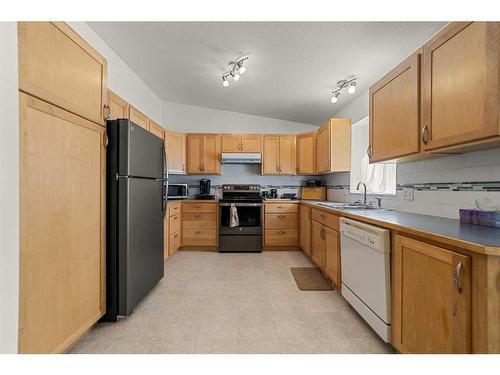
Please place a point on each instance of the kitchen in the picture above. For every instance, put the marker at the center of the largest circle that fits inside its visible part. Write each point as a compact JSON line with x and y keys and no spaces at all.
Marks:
{"x":361,"y":218}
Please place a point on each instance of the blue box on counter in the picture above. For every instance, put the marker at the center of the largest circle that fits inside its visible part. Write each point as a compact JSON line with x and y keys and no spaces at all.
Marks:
{"x":478,"y":217}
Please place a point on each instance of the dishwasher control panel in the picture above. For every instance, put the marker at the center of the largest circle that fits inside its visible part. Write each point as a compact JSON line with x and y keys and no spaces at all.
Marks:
{"x":369,"y":235}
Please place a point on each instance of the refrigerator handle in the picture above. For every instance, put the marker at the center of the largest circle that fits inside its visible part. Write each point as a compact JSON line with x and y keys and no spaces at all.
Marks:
{"x":165,"y":182}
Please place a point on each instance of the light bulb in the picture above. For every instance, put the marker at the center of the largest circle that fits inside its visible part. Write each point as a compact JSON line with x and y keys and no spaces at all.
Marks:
{"x":236,"y":77}
{"x":352,"y":88}
{"x":225,"y":82}
{"x":242,"y":69}
{"x":335,"y":97}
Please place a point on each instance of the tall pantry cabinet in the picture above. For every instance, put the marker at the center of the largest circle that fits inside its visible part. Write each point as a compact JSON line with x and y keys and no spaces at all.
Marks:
{"x":62,"y":83}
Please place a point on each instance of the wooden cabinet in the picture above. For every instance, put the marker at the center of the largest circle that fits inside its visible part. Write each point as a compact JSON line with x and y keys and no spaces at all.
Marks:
{"x":333,"y":146}
{"x":174,"y":225}
{"x":138,"y":118}
{"x":203,"y":153}
{"x":155,"y":129}
{"x":279,"y":154}
{"x":460,"y":102}
{"x":200,"y":224}
{"x":280,"y":225}
{"x":305,"y":229}
{"x":318,"y":242}
{"x":395,"y":112}
{"x":176,"y":152}
{"x":62,"y":226}
{"x":332,"y":255}
{"x":431,"y":298}
{"x":306,"y":153}
{"x":241,"y":143}
{"x":118,"y":108}
{"x":58,"y":66}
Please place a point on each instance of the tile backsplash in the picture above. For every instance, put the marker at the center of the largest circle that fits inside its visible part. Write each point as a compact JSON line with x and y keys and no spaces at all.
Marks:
{"x":441,"y":185}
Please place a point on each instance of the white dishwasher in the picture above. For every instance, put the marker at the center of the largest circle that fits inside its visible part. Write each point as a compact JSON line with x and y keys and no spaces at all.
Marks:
{"x":366,"y":282}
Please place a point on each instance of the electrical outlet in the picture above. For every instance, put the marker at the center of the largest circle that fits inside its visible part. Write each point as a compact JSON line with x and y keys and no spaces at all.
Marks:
{"x":408,"y":194}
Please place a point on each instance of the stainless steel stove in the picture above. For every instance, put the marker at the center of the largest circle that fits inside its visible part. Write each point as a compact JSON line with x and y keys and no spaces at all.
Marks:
{"x":247,"y":235}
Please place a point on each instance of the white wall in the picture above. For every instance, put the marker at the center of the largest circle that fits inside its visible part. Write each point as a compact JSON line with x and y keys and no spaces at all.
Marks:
{"x":189,"y":118}
{"x":9,"y":189}
{"x":121,"y":79}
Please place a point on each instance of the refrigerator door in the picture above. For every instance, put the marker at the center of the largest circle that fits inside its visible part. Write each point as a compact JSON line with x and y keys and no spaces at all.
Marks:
{"x":141,"y":153}
{"x":140,"y":232}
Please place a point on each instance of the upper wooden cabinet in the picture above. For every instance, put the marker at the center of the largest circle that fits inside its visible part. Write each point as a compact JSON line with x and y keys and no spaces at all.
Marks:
{"x":306,"y":153}
{"x":333,"y":146}
{"x":279,"y":154}
{"x":138,"y":118}
{"x":203,"y":153}
{"x":431,"y":299}
{"x":241,"y":143}
{"x":118,"y":108}
{"x":58,"y":66}
{"x":395,"y":112}
{"x":461,"y":86}
{"x":155,"y":129}
{"x":176,"y":152}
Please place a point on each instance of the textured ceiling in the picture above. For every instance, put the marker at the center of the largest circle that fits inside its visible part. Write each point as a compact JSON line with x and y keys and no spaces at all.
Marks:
{"x":292,"y":66}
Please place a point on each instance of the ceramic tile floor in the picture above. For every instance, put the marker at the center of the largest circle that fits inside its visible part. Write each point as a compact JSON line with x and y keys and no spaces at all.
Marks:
{"x":235,"y":303}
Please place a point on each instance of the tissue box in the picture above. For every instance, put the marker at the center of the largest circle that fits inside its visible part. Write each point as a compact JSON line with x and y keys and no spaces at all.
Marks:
{"x":478,"y":217}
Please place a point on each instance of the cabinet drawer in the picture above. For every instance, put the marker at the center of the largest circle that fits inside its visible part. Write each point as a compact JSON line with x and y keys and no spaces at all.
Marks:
{"x":281,"y":221}
{"x":199,"y":207}
{"x":195,"y":237}
{"x":174,"y":242}
{"x":325,"y":218}
{"x":175,"y":223}
{"x":278,"y":208}
{"x":284,"y":237}
{"x":202,"y":220}
{"x":174,"y":208}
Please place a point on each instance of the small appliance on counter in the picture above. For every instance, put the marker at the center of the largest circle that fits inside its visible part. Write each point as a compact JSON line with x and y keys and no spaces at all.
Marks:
{"x":273,"y":194}
{"x":205,"y":190}
{"x":177,"y":191}
{"x":314,"y":193}
{"x":313,"y":183}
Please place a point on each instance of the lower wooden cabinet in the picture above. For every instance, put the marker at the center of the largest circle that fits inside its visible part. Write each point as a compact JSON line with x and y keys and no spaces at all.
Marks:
{"x":200,"y":224}
{"x":62,"y":226}
{"x":332,"y":255}
{"x":318,"y":248}
{"x":280,"y":225}
{"x":431,"y":298}
{"x":172,"y":229}
{"x":305,"y":229}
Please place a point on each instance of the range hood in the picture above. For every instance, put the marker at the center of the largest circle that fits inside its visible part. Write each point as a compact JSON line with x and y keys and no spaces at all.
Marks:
{"x":241,"y":158}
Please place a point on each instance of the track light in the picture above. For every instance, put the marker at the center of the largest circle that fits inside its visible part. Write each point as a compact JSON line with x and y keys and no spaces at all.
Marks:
{"x":236,"y":68}
{"x":335,"y":97}
{"x":349,"y":84}
{"x":352,"y":88}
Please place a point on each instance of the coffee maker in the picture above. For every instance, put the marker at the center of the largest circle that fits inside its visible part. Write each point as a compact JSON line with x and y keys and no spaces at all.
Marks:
{"x":205,"y":190}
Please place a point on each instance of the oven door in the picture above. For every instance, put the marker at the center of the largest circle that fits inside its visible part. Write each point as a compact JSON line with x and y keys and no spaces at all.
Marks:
{"x":249,"y":216}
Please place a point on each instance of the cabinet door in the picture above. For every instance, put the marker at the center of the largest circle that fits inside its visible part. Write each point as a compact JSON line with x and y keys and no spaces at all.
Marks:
{"x":176,"y":152}
{"x":139,"y":118}
{"x":251,"y":143}
{"x":306,"y":153}
{"x":118,"y":108}
{"x":165,"y":235}
{"x":231,"y":143}
{"x":460,"y":85}
{"x":194,"y":153}
{"x":270,"y":158}
{"x":432,"y":298}
{"x":287,"y":154}
{"x":62,"y":226}
{"x":394,"y":112}
{"x":58,"y":66}
{"x":211,"y":154}
{"x":318,"y":251}
{"x":155,"y":129}
{"x":332,"y":256}
{"x":323,"y":149}
{"x":305,"y":229}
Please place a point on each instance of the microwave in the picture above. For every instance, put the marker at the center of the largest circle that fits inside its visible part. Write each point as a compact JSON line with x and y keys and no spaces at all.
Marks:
{"x":177,"y":191}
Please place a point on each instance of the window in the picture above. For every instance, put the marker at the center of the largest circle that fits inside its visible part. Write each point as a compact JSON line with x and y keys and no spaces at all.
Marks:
{"x":380,"y":178}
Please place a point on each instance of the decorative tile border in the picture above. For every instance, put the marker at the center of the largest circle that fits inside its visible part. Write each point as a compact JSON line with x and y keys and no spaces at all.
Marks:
{"x":464,"y":186}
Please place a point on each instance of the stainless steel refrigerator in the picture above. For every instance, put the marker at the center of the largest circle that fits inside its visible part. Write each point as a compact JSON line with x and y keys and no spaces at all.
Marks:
{"x":136,"y":205}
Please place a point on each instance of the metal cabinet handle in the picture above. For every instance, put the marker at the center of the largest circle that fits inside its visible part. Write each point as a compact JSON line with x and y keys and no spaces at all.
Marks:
{"x":281,"y":216}
{"x":281,"y":232}
{"x":322,"y":216}
{"x":106,"y":112}
{"x":197,"y":216}
{"x":197,"y":232}
{"x":457,"y":279}
{"x":425,"y":134}
{"x":280,"y":207}
{"x":369,"y":151}
{"x":175,"y":235}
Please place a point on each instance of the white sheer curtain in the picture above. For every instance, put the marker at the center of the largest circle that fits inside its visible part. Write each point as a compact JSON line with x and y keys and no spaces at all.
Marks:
{"x":380,"y":178}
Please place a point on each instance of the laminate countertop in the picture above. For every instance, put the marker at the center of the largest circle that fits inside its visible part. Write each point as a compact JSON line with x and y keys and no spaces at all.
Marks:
{"x":477,"y":238}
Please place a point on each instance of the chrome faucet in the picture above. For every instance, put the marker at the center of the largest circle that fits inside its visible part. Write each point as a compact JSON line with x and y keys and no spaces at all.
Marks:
{"x":364,"y":194}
